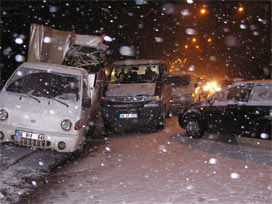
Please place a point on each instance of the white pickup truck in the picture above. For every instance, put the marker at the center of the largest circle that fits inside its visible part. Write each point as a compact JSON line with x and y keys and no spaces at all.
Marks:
{"x":46,"y":106}
{"x":50,"y":101}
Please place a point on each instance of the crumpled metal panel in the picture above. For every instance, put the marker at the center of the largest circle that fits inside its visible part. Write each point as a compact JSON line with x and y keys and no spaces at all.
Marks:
{"x":51,"y":46}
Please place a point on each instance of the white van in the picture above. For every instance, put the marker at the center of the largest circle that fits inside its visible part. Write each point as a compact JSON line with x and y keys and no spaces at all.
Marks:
{"x":183,"y":86}
{"x":46,"y":106}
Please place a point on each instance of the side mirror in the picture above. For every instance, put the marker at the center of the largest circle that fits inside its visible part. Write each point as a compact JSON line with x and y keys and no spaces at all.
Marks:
{"x":91,"y":80}
{"x":86,"y":102}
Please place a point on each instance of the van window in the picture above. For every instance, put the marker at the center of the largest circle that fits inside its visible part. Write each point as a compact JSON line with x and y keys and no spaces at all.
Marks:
{"x":183,"y":80}
{"x":134,"y":73}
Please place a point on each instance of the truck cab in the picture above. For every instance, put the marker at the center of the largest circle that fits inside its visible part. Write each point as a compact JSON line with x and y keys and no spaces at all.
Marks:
{"x":46,"y":106}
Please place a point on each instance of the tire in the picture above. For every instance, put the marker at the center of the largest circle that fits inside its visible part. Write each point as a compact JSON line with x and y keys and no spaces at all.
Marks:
{"x":80,"y":151}
{"x":107,"y":128}
{"x":162,"y":120}
{"x":193,"y":128}
{"x":90,"y":132}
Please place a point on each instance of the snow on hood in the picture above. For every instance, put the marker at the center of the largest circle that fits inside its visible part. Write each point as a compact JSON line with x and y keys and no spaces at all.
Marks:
{"x":28,"y":113}
{"x":131,"y":89}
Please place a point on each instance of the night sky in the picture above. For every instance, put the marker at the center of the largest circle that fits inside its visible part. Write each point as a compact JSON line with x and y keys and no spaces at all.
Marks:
{"x":228,"y":42}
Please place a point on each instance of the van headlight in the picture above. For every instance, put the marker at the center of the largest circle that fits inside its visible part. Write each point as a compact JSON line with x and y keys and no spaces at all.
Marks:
{"x":3,"y":114}
{"x":154,"y":101}
{"x":66,"y":125}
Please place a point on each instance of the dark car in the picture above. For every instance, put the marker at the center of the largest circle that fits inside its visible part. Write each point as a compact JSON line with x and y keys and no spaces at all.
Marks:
{"x":244,"y":108}
{"x":136,"y":95}
{"x":207,"y":87}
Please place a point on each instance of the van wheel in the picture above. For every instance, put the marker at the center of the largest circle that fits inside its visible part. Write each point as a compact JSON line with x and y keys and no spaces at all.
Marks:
{"x":107,"y":128}
{"x":193,"y":128}
{"x":162,"y":120}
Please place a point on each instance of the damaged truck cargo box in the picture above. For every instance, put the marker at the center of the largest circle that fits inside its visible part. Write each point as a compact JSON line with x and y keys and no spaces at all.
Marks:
{"x":65,"y":47}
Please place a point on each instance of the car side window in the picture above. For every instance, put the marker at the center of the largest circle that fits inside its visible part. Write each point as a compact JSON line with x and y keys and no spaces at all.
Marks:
{"x":240,"y":93}
{"x":221,"y":96}
{"x":262,"y":93}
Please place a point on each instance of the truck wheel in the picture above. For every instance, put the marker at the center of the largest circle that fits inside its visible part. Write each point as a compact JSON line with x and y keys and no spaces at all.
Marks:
{"x":91,"y":129}
{"x":80,"y":150}
{"x":193,"y":128}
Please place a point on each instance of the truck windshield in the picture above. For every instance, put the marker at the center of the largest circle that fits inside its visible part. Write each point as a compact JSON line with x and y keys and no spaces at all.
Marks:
{"x":134,"y":73}
{"x":45,"y":84}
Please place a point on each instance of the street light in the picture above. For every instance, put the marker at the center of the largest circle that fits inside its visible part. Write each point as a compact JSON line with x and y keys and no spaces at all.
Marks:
{"x":194,"y":40}
{"x":240,"y":9}
{"x":203,"y":11}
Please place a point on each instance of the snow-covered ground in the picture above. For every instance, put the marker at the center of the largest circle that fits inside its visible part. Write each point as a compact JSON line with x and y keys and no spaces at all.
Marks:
{"x":163,"y":167}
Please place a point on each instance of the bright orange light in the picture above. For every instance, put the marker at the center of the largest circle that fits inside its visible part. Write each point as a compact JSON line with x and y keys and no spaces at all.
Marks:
{"x":240,"y":9}
{"x":197,"y":47}
{"x":194,"y":39}
{"x":209,"y":40}
{"x":186,"y":46}
{"x":203,"y":11}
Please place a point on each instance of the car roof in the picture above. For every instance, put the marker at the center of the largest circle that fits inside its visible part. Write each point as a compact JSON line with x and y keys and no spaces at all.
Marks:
{"x":139,"y":62}
{"x":55,"y":68}
{"x":254,"y":82}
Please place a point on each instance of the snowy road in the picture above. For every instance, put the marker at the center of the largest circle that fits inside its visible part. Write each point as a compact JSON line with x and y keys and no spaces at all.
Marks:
{"x":163,"y":167}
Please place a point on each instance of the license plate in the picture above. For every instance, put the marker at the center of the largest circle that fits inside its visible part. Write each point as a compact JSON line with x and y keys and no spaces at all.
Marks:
{"x":29,"y":135}
{"x":130,"y":115}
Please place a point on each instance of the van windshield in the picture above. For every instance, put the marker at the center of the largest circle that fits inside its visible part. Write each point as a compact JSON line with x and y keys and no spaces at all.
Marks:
{"x":182,"y":80}
{"x":40,"y":83}
{"x":134,"y":73}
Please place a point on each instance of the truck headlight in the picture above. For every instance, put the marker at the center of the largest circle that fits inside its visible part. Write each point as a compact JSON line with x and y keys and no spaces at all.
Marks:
{"x":3,"y":114}
{"x":66,"y":125}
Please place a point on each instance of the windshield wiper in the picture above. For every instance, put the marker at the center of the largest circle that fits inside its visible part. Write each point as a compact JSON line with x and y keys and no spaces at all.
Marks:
{"x":59,"y":101}
{"x":30,"y":96}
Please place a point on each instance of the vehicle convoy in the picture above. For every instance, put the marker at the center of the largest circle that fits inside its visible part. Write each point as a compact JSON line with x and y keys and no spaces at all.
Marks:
{"x":46,"y":106}
{"x":244,"y":108}
{"x":183,"y":87}
{"x":136,"y":95}
{"x":52,"y":100}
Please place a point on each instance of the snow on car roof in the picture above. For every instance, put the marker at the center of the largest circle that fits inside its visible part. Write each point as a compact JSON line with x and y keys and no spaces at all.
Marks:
{"x":254,"y":82}
{"x":55,"y":67}
{"x":139,"y":62}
